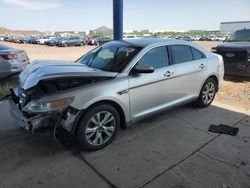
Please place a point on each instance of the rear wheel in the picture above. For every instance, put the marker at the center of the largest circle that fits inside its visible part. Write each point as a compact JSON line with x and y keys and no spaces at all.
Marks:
{"x":98,"y":127}
{"x":207,"y":93}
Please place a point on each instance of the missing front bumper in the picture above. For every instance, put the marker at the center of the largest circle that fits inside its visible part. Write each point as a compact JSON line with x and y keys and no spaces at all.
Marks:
{"x":32,"y":124}
{"x":43,"y":121}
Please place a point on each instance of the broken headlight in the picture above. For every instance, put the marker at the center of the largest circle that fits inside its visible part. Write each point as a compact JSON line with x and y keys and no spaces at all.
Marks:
{"x":48,"y":106}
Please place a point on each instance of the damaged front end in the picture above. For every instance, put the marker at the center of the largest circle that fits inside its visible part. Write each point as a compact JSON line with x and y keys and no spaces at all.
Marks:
{"x":42,"y":100}
{"x":38,"y":115}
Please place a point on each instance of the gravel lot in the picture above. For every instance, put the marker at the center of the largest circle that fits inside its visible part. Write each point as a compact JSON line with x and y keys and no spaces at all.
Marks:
{"x":235,"y":92}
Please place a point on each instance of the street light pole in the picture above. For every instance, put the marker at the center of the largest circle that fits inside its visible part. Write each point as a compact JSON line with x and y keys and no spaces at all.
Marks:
{"x":118,"y":19}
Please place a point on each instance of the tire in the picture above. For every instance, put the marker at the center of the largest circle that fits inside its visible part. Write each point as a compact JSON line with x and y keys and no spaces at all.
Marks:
{"x":82,"y":44}
{"x":65,"y":45}
{"x":91,"y":133}
{"x":207,"y":93}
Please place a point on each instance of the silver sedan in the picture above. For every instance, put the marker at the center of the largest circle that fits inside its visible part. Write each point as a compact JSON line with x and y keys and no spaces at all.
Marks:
{"x":12,"y":60}
{"x":114,"y":86}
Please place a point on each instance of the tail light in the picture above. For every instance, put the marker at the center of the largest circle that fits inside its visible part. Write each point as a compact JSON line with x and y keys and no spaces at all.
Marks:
{"x":9,"y":56}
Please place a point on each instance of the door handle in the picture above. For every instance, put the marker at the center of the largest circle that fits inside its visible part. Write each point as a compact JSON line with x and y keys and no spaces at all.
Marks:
{"x":168,"y":73}
{"x":202,"y":66}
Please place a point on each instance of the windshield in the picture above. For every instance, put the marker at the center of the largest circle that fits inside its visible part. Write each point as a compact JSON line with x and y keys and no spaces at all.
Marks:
{"x":239,"y":36}
{"x":112,"y":56}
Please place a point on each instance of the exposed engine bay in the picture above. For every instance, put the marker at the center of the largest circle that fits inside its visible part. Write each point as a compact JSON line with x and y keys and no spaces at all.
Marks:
{"x":36,"y":122}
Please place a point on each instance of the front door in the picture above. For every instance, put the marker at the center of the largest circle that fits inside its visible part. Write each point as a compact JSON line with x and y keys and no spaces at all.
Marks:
{"x":150,"y":92}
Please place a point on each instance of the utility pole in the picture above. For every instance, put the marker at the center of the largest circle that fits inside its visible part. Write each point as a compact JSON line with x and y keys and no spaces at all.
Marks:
{"x":118,"y":19}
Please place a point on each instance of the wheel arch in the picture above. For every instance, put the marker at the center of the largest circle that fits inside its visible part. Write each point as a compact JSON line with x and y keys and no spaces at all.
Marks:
{"x":123,"y":123}
{"x":214,"y":77}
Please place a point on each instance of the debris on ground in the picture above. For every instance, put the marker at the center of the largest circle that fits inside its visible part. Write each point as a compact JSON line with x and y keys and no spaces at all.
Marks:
{"x":224,"y":129}
{"x":243,"y":162}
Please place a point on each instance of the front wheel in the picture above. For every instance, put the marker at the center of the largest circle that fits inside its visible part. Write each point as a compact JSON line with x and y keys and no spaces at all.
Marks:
{"x":98,"y":127}
{"x":207,"y":93}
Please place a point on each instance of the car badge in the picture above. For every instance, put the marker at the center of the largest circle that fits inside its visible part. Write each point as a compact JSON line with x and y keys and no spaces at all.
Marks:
{"x":230,"y":54}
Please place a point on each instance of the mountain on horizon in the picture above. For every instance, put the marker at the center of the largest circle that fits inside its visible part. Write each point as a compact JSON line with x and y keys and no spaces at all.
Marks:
{"x":103,"y":29}
{"x":5,"y":31}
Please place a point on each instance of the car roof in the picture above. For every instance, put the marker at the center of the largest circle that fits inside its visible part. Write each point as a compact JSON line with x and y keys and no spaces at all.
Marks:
{"x":143,"y":42}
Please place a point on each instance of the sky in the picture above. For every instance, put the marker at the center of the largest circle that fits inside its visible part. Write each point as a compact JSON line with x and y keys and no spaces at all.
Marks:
{"x":83,"y":15}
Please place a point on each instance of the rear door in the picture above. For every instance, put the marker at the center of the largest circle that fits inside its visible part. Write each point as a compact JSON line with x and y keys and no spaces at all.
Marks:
{"x":150,"y":92}
{"x":190,"y":71}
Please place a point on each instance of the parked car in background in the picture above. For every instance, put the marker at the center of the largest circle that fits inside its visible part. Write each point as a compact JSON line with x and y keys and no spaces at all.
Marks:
{"x":6,"y":38}
{"x":205,"y":38}
{"x":156,"y":36}
{"x":186,"y":38}
{"x":89,"y":40}
{"x":236,"y":53}
{"x":30,"y":40}
{"x":2,"y":38}
{"x":71,"y":41}
{"x":12,"y":60}
{"x":17,"y":39}
{"x":213,"y":37}
{"x":54,"y":41}
{"x":131,"y":37}
{"x":220,"y":38}
{"x":196,"y":37}
{"x":114,"y":85}
{"x":100,"y":40}
{"x":44,"y":40}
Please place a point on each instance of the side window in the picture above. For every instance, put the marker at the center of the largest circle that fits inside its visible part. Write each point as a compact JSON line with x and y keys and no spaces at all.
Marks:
{"x":181,"y":53}
{"x":157,"y":57}
{"x":197,"y":54}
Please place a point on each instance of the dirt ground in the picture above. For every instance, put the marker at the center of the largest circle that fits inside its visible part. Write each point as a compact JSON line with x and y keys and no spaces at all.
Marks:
{"x":235,"y":92}
{"x":36,"y":51}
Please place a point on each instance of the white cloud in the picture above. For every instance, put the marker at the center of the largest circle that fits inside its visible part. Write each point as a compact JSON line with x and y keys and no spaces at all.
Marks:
{"x":33,"y":4}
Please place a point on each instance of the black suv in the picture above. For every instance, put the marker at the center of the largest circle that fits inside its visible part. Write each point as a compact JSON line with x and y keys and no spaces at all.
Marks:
{"x":235,"y":51}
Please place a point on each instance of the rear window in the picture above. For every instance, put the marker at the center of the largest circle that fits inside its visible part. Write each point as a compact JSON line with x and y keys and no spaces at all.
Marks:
{"x":185,"y":53}
{"x":181,"y":53}
{"x":197,"y":54}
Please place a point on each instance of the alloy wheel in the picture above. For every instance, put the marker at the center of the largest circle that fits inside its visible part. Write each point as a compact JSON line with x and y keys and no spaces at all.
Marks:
{"x":100,"y":128}
{"x":208,"y":92}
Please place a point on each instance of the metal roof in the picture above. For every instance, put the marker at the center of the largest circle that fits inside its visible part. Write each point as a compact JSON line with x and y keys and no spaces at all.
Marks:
{"x":236,"y":22}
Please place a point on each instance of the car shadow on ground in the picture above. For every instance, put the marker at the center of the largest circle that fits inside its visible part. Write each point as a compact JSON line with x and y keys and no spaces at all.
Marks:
{"x":63,"y":139}
{"x":236,"y":79}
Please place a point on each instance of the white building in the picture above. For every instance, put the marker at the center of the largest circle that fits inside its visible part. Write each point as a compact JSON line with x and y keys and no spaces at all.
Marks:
{"x":233,"y":26}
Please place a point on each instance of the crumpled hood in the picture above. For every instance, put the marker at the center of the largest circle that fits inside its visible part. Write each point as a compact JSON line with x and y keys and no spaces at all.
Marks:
{"x":245,"y":45}
{"x":47,"y":69}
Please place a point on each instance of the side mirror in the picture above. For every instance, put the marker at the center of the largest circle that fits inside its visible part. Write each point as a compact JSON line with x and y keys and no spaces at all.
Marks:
{"x":142,"y":69}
